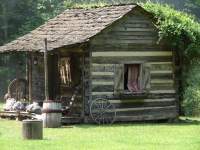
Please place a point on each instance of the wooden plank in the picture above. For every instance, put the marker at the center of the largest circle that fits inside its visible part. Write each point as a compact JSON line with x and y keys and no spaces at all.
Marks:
{"x":160,"y":63}
{"x":30,"y":68}
{"x":144,"y":104}
{"x":127,"y":37}
{"x":146,"y":117}
{"x":128,"y":53}
{"x":102,"y":73}
{"x":46,"y":71}
{"x":133,"y":33}
{"x":161,"y":72}
{"x":102,"y":65}
{"x":138,"y":25}
{"x":142,"y":108}
{"x":102,"y":83}
{"x":102,"y":93}
{"x":161,"y":87}
{"x":161,"y":76}
{"x":104,"y":78}
{"x":119,"y":59}
{"x":126,"y":47}
{"x":115,"y":41}
{"x":136,"y":29}
{"x":162,"y":91}
{"x":102,"y":68}
{"x":142,"y":100}
{"x":158,"y":110}
{"x":102,"y":88}
{"x":138,"y":20}
{"x":162,"y":81}
{"x":133,"y":96}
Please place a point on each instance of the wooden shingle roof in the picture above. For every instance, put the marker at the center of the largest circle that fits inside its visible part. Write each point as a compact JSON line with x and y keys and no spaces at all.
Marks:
{"x":73,"y":26}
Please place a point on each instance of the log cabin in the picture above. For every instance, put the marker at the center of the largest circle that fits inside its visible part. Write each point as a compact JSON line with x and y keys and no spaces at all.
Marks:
{"x":110,"y":52}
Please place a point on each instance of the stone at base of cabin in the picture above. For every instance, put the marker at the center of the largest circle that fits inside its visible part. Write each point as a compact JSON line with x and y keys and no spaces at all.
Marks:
{"x":32,"y":129}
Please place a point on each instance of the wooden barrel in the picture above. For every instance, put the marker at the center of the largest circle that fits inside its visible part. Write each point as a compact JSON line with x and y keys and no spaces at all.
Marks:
{"x":32,"y":129}
{"x":51,"y":114}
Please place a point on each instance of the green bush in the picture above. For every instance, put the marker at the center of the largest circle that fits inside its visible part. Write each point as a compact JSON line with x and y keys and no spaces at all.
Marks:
{"x":182,"y":31}
{"x":191,"y":95}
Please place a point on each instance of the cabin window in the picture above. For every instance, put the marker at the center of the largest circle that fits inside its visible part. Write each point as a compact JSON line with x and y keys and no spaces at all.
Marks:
{"x":132,"y":78}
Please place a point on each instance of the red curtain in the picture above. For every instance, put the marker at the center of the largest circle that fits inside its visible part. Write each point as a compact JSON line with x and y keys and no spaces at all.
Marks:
{"x":133,"y":78}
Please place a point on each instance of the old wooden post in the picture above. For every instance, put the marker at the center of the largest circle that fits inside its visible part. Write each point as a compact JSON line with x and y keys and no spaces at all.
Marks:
{"x":52,"y":114}
{"x":32,"y":129}
{"x":46,"y":71}
{"x":30,"y":77}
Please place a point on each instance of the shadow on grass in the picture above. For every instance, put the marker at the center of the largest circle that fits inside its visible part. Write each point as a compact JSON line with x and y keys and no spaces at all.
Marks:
{"x":179,"y":122}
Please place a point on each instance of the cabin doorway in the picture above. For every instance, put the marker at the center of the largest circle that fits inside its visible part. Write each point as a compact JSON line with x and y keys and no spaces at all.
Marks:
{"x":67,"y":78}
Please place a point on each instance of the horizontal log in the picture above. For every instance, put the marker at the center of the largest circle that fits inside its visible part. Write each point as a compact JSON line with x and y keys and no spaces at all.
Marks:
{"x":163,"y":92}
{"x":162,"y":76}
{"x":162,"y":84}
{"x":136,"y":29}
{"x":146,"y":117}
{"x":139,"y":17}
{"x":102,"y":88}
{"x":138,"y":20}
{"x":157,"y":81}
{"x":115,"y":41}
{"x":160,"y":63}
{"x":130,"y":45}
{"x":127,"y":37}
{"x":161,"y":87}
{"x":102,"y":77}
{"x":128,"y":53}
{"x":143,"y":108}
{"x":131,"y":33}
{"x":102,"y":83}
{"x":142,"y":100}
{"x":139,"y":25}
{"x":161,"y":67}
{"x":133,"y":96}
{"x":126,"y":47}
{"x":102,"y":65}
{"x":102,"y":93}
{"x":161,"y":72}
{"x":144,"y":104}
{"x":122,"y":59}
{"x":102,"y":73}
{"x":102,"y":68}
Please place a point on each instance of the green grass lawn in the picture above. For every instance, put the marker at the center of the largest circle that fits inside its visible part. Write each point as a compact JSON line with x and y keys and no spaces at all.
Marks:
{"x":185,"y":136}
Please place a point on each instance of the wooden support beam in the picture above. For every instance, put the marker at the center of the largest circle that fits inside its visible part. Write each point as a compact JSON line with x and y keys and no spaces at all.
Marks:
{"x":83,"y":85}
{"x":46,"y":71}
{"x":27,"y":64}
{"x":30,"y":57}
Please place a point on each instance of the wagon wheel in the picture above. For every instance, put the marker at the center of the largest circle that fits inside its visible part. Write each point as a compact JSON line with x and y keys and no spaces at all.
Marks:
{"x":102,"y":111}
{"x":17,"y":88}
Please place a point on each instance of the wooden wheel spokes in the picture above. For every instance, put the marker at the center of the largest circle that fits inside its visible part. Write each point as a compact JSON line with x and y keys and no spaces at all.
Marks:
{"x":102,"y":111}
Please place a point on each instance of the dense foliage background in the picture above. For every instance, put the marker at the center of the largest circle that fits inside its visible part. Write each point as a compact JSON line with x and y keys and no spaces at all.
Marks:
{"x":182,"y":30}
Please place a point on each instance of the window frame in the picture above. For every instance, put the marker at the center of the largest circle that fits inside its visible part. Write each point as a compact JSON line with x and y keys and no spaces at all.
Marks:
{"x":141,"y":63}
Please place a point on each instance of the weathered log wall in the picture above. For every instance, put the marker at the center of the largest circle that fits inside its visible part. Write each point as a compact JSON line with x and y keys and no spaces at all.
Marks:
{"x":37,"y":77}
{"x":131,"y":40}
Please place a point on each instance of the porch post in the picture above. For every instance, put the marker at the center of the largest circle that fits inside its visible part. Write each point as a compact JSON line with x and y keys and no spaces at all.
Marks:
{"x":30,"y":77}
{"x":46,"y":71}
